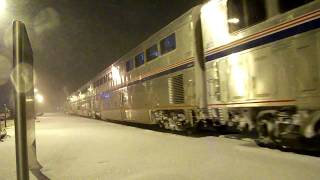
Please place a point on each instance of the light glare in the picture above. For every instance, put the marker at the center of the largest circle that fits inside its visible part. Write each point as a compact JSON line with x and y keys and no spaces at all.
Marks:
{"x":81,"y":96}
{"x":233,"y":20}
{"x":90,"y":89}
{"x":116,"y":75}
{"x":39,"y":98}
{"x":3,"y":5}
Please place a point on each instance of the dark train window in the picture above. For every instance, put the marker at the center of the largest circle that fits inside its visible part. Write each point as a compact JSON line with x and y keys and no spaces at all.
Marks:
{"x":168,"y":44}
{"x":285,"y":5}
{"x":105,"y":78}
{"x":129,"y":65}
{"x":109,"y":79}
{"x":139,"y":59}
{"x":152,"y":52}
{"x":245,"y":13}
{"x":82,"y":92}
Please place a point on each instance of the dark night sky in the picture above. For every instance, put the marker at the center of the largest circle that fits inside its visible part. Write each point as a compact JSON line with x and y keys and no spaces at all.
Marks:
{"x":73,"y":40}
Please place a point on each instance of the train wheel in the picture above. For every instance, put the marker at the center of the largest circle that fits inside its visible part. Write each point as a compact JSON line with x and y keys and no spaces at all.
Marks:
{"x":265,"y":128}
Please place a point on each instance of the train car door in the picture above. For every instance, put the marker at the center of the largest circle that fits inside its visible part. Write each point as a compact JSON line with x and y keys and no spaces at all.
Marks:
{"x":263,"y":73}
{"x":306,"y":65}
{"x":238,"y":80}
{"x":125,"y":114}
{"x":91,"y":109}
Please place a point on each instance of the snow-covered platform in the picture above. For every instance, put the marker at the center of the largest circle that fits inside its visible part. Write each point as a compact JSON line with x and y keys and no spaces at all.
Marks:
{"x":72,"y":147}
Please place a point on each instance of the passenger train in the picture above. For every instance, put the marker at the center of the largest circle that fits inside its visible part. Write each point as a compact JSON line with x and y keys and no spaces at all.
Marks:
{"x":249,"y":64}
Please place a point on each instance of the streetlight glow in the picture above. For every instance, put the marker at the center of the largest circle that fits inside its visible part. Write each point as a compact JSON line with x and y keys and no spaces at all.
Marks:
{"x":3,"y":5}
{"x":39,"y":98}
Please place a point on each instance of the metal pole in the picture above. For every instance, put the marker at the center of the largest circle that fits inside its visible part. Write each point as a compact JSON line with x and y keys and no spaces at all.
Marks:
{"x":20,"y":103}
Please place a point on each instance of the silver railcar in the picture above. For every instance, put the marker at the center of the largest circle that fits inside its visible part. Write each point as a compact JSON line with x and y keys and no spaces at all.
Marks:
{"x":250,"y":68}
{"x":161,"y":81}
{"x":262,"y":66}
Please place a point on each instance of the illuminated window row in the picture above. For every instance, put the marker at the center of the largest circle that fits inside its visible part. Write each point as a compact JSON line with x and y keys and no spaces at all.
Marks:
{"x":104,"y":79}
{"x":166,"y":45}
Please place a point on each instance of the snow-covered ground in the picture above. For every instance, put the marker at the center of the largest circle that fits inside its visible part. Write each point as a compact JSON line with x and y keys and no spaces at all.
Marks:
{"x":72,"y":147}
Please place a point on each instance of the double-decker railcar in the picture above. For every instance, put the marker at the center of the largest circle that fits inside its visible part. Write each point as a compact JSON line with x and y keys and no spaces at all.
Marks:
{"x":262,"y":66}
{"x":161,"y":81}
{"x":250,"y":64}
{"x":82,"y":102}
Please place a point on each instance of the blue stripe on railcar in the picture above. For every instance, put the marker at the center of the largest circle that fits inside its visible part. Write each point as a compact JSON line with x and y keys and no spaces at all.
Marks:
{"x":311,"y":25}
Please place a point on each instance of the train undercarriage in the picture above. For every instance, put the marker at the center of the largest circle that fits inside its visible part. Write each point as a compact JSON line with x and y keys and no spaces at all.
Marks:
{"x":278,"y":127}
{"x":284,"y":127}
{"x":175,"y":120}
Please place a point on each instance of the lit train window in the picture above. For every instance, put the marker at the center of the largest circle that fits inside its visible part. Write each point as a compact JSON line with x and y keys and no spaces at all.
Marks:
{"x":105,"y":79}
{"x":245,"y":13}
{"x":285,"y":6}
{"x":129,"y":65}
{"x":139,"y":59}
{"x":168,"y":44}
{"x":152,"y":52}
